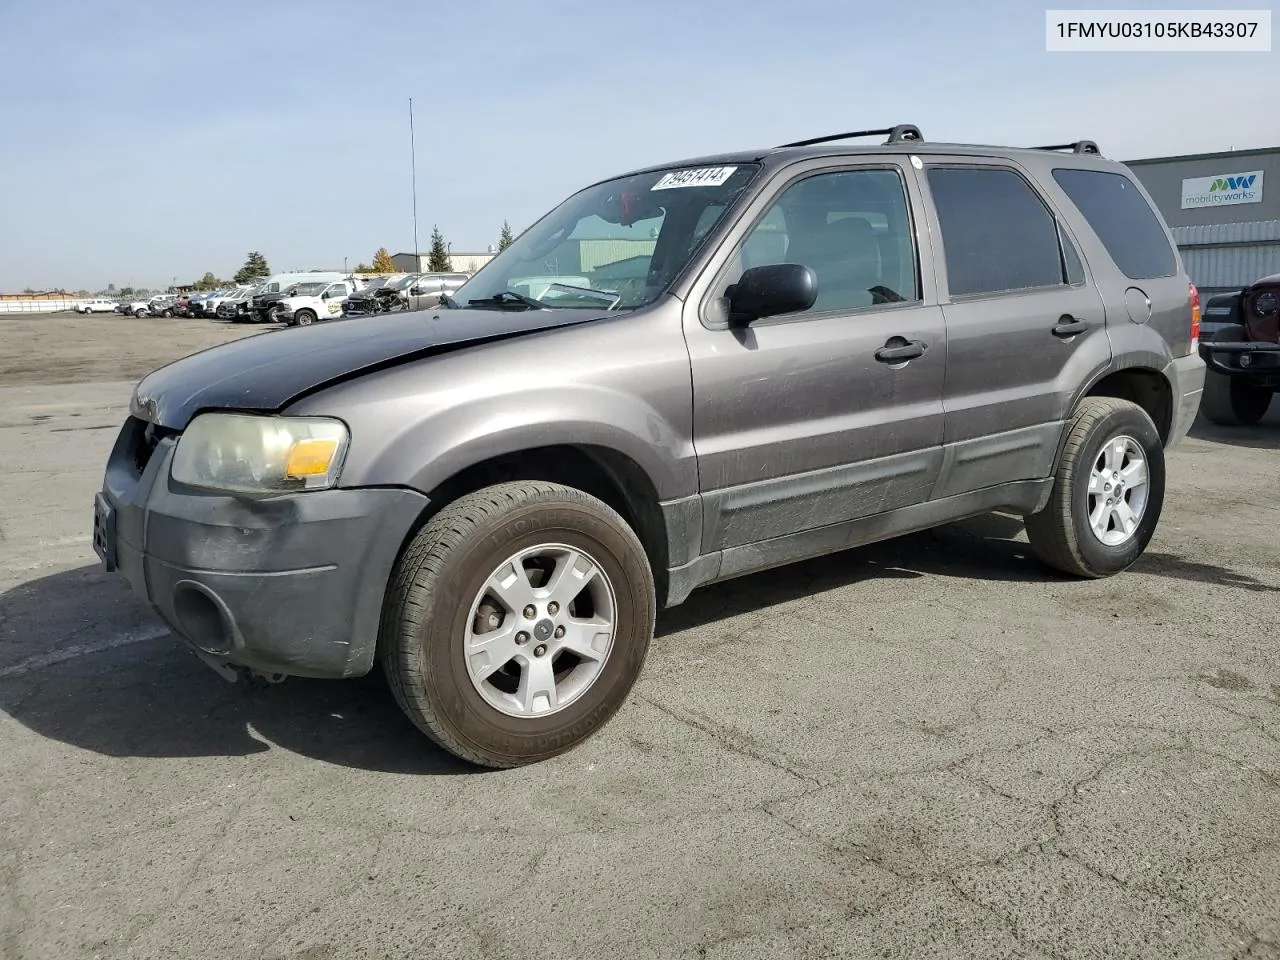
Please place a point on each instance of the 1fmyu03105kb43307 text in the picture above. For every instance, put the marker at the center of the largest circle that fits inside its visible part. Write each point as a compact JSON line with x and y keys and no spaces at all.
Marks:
{"x":1163,"y":31}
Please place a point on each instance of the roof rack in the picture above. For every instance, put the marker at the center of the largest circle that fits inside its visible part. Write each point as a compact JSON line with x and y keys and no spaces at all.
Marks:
{"x":899,"y":134}
{"x":1080,"y":146}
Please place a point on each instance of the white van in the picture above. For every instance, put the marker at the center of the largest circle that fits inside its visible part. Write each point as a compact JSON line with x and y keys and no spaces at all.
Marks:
{"x":279,"y":281}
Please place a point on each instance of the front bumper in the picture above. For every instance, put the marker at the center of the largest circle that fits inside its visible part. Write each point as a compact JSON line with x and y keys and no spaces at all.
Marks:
{"x":289,"y":584}
{"x":1186,"y":376}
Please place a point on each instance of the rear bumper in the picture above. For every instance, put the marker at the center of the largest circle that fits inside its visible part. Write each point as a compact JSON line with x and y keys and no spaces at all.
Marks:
{"x":1186,"y":377}
{"x":290,"y":584}
{"x":1245,"y":358}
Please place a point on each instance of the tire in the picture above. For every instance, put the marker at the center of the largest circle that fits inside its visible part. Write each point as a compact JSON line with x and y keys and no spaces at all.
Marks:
{"x":139,"y":314}
{"x":304,"y":318}
{"x":1233,"y":401}
{"x":167,"y":314}
{"x":440,"y":580}
{"x":1062,"y":534}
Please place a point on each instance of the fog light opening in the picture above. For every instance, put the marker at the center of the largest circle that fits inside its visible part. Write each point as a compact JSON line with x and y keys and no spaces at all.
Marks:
{"x":202,"y":618}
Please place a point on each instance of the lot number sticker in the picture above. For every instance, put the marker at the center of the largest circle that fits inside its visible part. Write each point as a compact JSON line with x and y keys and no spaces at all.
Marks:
{"x":703,"y":177}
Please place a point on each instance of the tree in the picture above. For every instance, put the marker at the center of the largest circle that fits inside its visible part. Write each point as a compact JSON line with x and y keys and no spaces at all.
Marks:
{"x":382,"y":262}
{"x":254,"y":266}
{"x":363,"y":268}
{"x":111,"y":289}
{"x":438,"y":258}
{"x":127,"y":291}
{"x":505,"y":239}
{"x":208,"y":282}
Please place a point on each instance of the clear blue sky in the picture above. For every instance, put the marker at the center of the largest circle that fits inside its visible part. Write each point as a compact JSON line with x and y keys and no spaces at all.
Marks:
{"x":145,"y":140}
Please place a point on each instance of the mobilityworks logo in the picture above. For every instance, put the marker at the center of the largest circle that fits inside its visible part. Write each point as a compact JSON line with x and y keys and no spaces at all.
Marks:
{"x":1222,"y":190}
{"x":1233,"y":183}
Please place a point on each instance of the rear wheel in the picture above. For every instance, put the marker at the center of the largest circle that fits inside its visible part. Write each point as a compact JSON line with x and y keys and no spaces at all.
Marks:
{"x":1107,"y":494}
{"x":517,"y":622}
{"x":139,"y":314}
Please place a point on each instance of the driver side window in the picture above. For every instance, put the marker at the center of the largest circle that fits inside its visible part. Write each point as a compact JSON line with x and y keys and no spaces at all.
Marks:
{"x":851,"y":228}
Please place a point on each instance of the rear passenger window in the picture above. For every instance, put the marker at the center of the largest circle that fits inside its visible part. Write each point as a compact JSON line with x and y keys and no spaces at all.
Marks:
{"x":1123,"y":221}
{"x":997,"y":234}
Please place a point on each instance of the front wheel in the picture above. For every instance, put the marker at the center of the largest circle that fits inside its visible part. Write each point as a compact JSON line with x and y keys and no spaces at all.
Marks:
{"x":1107,"y":494}
{"x":517,"y":621}
{"x":304,"y":318}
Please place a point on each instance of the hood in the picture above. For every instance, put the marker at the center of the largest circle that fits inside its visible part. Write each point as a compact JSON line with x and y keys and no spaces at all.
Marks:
{"x":268,"y":371}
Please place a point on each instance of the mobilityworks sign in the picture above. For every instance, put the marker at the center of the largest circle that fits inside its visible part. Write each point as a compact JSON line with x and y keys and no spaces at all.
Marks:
{"x":1222,"y":191}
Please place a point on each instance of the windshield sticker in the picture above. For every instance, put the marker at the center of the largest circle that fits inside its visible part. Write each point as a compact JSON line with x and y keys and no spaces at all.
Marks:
{"x":704,"y":177}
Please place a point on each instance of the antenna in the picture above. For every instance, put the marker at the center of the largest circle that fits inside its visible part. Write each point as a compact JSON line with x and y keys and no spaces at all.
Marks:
{"x":413,"y":164}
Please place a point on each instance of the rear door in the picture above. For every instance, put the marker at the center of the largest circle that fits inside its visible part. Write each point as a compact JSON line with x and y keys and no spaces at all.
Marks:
{"x":1025,"y":323}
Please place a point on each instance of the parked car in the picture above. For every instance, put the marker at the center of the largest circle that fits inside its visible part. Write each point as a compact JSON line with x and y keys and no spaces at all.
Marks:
{"x":96,"y":305}
{"x":831,"y":345}
{"x":308,"y":302}
{"x":1241,"y":346}
{"x":164,"y":305}
{"x":381,"y":295}
{"x":265,"y":303}
{"x":428,"y":288}
{"x":143,"y":307}
{"x":238,"y":306}
{"x":197,"y":301}
{"x":218,"y":297}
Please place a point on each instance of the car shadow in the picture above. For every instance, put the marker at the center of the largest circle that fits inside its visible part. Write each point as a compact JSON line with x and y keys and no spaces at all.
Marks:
{"x":84,"y":662}
{"x":1264,"y":435}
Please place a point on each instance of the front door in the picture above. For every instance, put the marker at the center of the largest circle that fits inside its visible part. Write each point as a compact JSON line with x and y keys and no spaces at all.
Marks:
{"x":813,"y":418}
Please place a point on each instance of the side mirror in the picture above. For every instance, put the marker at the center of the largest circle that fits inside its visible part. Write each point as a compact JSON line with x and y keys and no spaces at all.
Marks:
{"x":415,"y":291}
{"x":770,"y":290}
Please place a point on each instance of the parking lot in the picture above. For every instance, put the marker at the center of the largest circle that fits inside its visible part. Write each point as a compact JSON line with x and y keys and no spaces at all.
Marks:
{"x":933,"y":747}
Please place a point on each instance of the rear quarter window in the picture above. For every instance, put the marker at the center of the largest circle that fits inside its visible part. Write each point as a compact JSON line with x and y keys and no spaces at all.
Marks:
{"x":1123,"y":221}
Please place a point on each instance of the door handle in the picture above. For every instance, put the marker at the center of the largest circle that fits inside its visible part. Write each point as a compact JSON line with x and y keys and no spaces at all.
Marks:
{"x":900,"y":350}
{"x":1069,"y":326}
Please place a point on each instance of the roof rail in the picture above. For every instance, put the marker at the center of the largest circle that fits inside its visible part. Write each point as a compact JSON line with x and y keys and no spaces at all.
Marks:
{"x":899,"y":134}
{"x":1080,"y":146}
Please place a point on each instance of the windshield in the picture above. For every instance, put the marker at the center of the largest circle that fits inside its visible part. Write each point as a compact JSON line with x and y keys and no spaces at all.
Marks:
{"x":376,"y":284}
{"x":617,"y":245}
{"x":307,"y":289}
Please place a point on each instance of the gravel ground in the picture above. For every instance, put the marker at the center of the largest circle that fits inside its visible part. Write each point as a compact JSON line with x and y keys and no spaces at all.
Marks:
{"x":928,"y":748}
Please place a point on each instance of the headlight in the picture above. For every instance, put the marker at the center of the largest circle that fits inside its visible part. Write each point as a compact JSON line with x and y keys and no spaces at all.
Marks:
{"x":257,"y":454}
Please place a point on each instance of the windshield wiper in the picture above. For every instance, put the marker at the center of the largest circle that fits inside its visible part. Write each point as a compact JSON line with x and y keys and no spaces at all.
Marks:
{"x":589,"y":293}
{"x":510,"y":298}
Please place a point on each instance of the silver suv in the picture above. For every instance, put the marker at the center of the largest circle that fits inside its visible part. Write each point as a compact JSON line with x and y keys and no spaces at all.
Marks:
{"x":678,"y":376}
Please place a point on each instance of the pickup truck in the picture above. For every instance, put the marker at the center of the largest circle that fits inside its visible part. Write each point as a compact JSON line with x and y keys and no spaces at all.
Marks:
{"x":305,"y":303}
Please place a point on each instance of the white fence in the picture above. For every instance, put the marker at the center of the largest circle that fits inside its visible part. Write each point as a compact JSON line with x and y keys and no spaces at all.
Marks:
{"x":39,"y":306}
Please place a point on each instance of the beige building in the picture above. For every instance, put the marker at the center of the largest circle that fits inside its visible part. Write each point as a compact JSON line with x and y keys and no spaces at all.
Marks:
{"x":461,"y":262}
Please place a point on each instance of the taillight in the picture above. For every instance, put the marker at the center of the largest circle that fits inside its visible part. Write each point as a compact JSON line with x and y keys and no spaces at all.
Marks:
{"x":1195,"y":316}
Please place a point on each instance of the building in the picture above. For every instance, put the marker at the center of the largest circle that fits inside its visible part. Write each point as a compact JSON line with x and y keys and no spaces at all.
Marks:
{"x":462,"y":262}
{"x":1223,"y":216}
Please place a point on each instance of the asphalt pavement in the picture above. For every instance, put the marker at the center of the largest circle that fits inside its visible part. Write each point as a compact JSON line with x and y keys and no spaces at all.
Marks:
{"x":933,"y":747}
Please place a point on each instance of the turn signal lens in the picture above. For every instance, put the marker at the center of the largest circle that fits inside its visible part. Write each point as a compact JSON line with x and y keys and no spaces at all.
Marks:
{"x":310,"y":458}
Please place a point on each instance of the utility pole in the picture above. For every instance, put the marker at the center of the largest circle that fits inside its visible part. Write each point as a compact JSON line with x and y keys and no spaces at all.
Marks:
{"x":413,"y":164}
